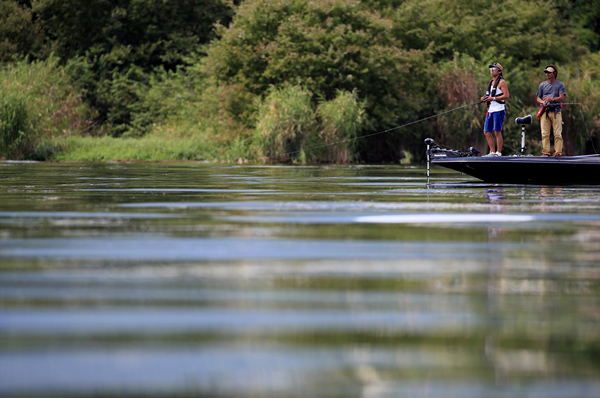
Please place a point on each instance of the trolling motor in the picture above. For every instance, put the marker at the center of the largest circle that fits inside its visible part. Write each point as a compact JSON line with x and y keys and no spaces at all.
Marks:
{"x":434,"y":151}
{"x":523,"y":121}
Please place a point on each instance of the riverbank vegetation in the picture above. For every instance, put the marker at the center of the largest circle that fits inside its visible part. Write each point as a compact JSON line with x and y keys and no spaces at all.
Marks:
{"x":284,"y":80}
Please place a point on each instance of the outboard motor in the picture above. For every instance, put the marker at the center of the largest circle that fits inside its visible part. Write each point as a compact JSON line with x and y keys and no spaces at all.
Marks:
{"x":523,"y":121}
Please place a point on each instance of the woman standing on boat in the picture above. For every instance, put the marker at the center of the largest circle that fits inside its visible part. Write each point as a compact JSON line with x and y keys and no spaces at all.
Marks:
{"x":495,"y":96}
{"x":550,"y":96}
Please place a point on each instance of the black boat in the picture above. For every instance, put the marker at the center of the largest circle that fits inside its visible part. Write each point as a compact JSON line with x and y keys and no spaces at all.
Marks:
{"x":565,"y":170}
{"x":518,"y":169}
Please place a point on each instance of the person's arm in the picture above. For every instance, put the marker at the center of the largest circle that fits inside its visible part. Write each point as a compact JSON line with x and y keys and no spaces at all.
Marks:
{"x":504,"y":88}
{"x":540,"y":100}
{"x":555,"y":99}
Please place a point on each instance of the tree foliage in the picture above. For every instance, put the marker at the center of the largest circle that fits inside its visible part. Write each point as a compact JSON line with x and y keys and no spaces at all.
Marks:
{"x":584,"y":17}
{"x":324,"y":46}
{"x":121,"y":42}
{"x":19,"y":34}
{"x":147,"y":33}
{"x":528,"y":31}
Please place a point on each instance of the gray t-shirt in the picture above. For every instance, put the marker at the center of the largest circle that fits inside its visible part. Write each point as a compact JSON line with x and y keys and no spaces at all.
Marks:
{"x":551,"y":89}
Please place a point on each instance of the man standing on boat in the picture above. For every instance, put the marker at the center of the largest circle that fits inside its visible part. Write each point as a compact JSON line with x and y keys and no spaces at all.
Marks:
{"x":550,"y":96}
{"x":495,"y":97}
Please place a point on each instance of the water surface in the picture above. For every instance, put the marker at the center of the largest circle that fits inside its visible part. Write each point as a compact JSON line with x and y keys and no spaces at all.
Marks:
{"x":137,"y":279}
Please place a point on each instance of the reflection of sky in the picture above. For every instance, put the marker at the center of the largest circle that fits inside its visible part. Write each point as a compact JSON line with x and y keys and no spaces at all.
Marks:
{"x":252,"y":369}
{"x":227,"y":249}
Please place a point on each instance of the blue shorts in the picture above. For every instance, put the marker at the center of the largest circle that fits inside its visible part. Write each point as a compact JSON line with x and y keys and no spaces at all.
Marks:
{"x":494,"y":121}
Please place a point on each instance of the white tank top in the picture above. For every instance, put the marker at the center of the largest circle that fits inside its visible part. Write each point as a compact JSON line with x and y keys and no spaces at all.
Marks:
{"x":496,"y":106}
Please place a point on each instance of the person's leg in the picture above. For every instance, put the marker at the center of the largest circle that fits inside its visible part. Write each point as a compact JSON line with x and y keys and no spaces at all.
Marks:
{"x":499,"y":140}
{"x":545,"y":124}
{"x":498,"y":123}
{"x":490,"y":140}
{"x":488,"y":126}
{"x":558,"y":140}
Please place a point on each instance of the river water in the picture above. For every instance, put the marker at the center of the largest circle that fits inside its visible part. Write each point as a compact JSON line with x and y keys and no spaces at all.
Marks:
{"x":141,"y":279}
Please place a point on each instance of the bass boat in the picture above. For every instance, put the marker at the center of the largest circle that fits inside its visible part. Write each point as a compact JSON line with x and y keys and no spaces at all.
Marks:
{"x":519,"y":168}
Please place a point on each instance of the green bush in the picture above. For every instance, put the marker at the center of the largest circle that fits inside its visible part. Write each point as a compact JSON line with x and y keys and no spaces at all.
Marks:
{"x":39,"y":103}
{"x":15,"y":128}
{"x":340,"y":124}
{"x":285,"y":120}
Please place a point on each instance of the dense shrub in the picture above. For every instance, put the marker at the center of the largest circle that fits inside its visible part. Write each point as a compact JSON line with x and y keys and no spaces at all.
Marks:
{"x":15,"y":128}
{"x":340,"y":124}
{"x":39,"y":103}
{"x":290,"y":128}
{"x":285,"y":120}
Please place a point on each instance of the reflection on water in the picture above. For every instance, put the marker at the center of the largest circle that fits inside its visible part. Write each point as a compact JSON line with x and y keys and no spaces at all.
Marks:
{"x":294,"y":281}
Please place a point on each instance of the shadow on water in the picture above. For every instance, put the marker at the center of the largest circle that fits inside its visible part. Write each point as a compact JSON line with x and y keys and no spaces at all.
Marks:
{"x":136,"y":279}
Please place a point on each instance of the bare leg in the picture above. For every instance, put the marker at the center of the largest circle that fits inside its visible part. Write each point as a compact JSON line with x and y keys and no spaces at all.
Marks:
{"x":499,"y":139}
{"x":490,"y":140}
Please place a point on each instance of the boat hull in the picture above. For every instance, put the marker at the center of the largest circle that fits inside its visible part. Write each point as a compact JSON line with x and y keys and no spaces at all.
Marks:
{"x":566,"y":170}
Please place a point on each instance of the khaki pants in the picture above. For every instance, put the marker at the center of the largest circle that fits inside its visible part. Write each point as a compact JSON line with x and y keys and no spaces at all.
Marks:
{"x":555,"y":122}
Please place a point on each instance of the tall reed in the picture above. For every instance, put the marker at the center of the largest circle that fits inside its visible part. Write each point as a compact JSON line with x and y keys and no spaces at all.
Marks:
{"x":285,"y":120}
{"x":340,"y":123}
{"x":15,"y":127}
{"x":39,"y":103}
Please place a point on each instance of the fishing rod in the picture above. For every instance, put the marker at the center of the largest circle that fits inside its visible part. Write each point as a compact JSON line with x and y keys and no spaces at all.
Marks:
{"x":370,"y":135}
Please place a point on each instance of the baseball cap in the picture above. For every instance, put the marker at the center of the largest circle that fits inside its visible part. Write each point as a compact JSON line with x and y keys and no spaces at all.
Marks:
{"x":495,"y":65}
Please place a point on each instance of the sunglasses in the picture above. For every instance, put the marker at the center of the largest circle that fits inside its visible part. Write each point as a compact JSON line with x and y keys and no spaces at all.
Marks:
{"x":494,"y":69}
{"x":547,"y":71}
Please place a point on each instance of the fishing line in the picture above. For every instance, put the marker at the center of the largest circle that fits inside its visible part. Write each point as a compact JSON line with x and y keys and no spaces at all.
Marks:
{"x":370,"y":135}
